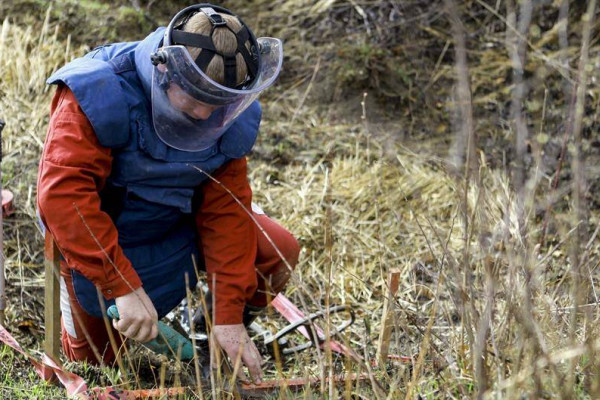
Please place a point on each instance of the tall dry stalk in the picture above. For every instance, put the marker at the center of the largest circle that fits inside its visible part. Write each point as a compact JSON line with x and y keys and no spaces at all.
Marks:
{"x":2,"y":274}
{"x":563,"y":40}
{"x":517,"y":48}
{"x":464,"y":158}
{"x":569,"y":100}
{"x":580,"y":287}
{"x":462,"y":155}
{"x":522,"y":256}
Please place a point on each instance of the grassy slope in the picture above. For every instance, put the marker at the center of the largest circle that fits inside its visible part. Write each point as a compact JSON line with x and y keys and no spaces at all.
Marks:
{"x":360,"y":204}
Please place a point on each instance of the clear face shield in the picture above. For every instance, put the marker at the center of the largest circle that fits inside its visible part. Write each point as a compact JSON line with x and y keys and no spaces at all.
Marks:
{"x":190,"y":111}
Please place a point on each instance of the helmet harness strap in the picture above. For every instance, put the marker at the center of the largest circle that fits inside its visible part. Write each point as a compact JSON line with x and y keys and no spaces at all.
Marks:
{"x":209,"y":51}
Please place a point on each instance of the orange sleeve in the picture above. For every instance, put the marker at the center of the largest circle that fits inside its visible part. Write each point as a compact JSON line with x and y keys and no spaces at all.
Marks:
{"x":228,"y":241}
{"x":73,"y":170}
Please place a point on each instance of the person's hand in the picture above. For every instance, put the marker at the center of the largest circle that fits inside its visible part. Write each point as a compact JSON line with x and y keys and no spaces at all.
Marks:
{"x":137,"y":316}
{"x":237,"y":344}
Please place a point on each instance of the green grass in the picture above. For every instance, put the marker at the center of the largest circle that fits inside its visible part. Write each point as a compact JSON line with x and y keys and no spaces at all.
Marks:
{"x":18,"y":380}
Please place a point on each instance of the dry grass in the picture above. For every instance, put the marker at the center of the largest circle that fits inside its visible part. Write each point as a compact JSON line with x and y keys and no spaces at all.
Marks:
{"x":28,"y":55}
{"x":486,"y":309}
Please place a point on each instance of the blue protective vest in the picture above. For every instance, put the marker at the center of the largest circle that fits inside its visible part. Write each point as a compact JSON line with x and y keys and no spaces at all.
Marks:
{"x":150,"y":191}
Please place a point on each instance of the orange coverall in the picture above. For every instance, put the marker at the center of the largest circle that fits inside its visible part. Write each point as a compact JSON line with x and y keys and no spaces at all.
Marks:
{"x":73,"y":170}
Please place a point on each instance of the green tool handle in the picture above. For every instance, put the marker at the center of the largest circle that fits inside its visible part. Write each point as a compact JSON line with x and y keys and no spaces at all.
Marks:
{"x":168,"y":341}
{"x":113,"y":312}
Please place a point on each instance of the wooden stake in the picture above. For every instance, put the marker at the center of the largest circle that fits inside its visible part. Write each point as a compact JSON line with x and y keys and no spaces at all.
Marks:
{"x":383,"y":344}
{"x":52,"y":297}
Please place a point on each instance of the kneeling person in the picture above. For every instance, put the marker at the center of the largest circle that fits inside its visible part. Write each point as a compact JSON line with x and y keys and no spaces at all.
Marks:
{"x":143,"y":175}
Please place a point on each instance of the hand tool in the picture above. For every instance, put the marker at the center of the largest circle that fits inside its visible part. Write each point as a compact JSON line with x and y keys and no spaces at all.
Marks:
{"x":316,"y":336}
{"x":168,"y":342}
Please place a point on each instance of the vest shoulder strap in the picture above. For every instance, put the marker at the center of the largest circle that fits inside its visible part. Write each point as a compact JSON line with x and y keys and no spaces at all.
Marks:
{"x":98,"y":91}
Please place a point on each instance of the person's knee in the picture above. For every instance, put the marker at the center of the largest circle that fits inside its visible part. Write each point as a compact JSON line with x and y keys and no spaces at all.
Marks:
{"x":290,"y":249}
{"x":292,"y":252}
{"x":280,"y":275}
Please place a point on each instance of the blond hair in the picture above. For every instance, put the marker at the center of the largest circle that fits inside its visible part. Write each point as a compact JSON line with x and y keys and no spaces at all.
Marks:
{"x":225,"y":42}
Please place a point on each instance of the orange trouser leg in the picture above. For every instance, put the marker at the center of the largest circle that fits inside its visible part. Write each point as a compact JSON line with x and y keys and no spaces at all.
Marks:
{"x":91,"y":341}
{"x":273,"y":272}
